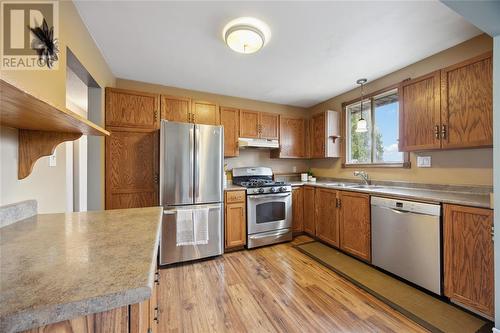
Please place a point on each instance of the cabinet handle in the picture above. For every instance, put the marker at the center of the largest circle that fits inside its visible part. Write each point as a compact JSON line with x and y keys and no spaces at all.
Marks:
{"x":443,"y":132}
{"x":340,"y":203}
{"x":157,"y":278}
{"x":436,"y":131}
{"x":156,"y":315}
{"x":193,"y":114}
{"x":156,"y":115}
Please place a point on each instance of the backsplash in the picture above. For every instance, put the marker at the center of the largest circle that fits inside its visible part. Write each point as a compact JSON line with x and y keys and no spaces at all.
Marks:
{"x":260,"y":157}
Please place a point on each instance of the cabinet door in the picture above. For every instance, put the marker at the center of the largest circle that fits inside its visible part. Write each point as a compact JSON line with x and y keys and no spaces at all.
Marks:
{"x":269,"y":125}
{"x":206,"y":113}
{"x":125,"y":108}
{"x":309,"y":209}
{"x":355,"y":226}
{"x":467,"y":103}
{"x":175,"y":108}
{"x":249,"y":124}
{"x":235,"y":225}
{"x":327,"y":216}
{"x":468,"y":257}
{"x":420,"y":113}
{"x":292,"y":137}
{"x":297,"y":209}
{"x":318,"y":129}
{"x":131,"y":168}
{"x":154,"y":310}
{"x":230,"y":119}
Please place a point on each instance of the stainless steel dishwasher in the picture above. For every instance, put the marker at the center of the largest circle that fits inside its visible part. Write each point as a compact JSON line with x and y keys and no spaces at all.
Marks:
{"x":406,"y":240}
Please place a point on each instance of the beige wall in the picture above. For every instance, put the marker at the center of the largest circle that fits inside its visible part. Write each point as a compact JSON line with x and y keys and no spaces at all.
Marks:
{"x":248,"y":157}
{"x":50,"y":86}
{"x":471,"y":166}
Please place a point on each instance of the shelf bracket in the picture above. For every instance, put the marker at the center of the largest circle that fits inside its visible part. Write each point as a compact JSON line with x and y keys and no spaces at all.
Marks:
{"x":36,"y":144}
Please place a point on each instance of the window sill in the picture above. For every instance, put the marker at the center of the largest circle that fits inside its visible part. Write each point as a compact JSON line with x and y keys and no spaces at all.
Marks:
{"x":404,"y":165}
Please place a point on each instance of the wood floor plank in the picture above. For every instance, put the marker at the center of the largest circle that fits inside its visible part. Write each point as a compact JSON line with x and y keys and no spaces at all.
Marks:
{"x":270,"y":289}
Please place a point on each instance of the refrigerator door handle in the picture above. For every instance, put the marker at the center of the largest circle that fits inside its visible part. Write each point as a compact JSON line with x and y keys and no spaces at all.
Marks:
{"x":197,"y":162}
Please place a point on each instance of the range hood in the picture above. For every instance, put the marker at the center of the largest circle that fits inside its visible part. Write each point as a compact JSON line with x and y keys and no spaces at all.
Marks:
{"x":258,"y":143}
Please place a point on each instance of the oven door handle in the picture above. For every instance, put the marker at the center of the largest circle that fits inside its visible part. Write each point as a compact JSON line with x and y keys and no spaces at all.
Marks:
{"x":265,"y":196}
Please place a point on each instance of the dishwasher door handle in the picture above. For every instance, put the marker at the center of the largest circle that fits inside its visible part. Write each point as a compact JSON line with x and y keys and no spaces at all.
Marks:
{"x":402,"y":212}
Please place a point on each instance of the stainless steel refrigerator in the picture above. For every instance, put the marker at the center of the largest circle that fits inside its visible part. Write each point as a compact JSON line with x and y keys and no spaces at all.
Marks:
{"x":191,"y":177}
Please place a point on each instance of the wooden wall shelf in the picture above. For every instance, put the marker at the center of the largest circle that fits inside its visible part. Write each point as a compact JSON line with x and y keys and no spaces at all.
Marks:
{"x":41,"y":126}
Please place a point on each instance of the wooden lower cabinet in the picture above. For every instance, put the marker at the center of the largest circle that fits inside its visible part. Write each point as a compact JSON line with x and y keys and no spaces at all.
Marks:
{"x":116,"y":321}
{"x":355,"y":224}
{"x":468,"y":257}
{"x":327,"y":216}
{"x":309,"y":209}
{"x":297,"y":209}
{"x":235,"y":232}
{"x":144,"y":317}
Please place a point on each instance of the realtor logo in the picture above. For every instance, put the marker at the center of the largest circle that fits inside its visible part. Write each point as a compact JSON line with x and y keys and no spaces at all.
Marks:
{"x":29,"y":35}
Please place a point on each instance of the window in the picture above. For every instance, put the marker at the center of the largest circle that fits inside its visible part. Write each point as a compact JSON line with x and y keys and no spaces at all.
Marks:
{"x":379,"y":145}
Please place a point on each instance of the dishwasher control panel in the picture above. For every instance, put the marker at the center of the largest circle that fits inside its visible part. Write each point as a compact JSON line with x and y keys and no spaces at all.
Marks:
{"x":407,"y":206}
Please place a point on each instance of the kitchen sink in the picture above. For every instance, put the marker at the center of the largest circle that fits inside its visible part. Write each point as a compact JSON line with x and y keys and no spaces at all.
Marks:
{"x":365,"y":186}
{"x":339,"y":184}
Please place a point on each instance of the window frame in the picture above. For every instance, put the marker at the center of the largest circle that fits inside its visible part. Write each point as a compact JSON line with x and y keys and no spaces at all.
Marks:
{"x":344,"y":131}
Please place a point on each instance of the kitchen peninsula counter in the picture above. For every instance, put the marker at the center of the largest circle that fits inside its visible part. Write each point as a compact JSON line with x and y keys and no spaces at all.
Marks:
{"x":56,"y":267}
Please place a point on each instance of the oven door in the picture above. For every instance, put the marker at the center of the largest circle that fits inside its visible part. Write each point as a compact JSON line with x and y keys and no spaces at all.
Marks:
{"x":267,"y":212}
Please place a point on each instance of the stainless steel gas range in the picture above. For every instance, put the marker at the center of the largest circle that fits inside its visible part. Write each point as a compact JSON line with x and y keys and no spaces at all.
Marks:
{"x":269,"y":206}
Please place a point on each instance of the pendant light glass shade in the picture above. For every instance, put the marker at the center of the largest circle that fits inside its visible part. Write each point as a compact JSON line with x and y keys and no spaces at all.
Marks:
{"x":362,"y":126}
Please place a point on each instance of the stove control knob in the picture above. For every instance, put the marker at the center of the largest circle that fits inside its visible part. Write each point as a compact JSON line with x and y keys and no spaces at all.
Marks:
{"x":282,"y":189}
{"x":274,"y":189}
{"x":260,"y":190}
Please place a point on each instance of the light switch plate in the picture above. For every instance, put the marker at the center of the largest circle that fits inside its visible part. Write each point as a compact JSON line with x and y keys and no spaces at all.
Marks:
{"x":52,"y":160}
{"x":423,"y":161}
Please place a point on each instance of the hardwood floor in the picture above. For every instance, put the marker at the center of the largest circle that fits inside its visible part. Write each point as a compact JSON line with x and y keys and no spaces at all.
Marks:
{"x":270,"y":289}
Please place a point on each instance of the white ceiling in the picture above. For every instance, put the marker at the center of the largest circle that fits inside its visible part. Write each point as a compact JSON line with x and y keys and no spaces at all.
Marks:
{"x":317,"y":49}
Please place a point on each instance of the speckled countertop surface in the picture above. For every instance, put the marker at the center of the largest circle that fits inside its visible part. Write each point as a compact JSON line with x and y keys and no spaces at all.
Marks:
{"x":231,"y":187}
{"x":431,"y":195}
{"x":59,"y":266}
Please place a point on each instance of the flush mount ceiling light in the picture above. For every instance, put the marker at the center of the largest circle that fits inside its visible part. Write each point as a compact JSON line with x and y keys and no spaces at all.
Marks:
{"x":246,"y":34}
{"x":362,"y":125}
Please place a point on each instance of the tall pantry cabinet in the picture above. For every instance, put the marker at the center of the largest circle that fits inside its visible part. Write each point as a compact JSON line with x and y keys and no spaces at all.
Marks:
{"x":131,"y":169}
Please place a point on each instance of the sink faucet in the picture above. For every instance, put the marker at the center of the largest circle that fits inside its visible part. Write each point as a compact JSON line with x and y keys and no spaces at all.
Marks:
{"x":363,"y":175}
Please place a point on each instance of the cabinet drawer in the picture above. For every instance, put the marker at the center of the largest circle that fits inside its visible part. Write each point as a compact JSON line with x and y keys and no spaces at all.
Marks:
{"x":235,"y":196}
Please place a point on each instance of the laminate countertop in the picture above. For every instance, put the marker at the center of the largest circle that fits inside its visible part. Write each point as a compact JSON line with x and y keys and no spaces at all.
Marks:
{"x":56,"y":267}
{"x":423,"y":194}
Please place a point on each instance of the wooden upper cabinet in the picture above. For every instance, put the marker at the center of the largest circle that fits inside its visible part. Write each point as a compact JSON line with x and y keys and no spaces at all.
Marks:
{"x":309,"y":209}
{"x":125,"y":108}
{"x":450,"y":108}
{"x":230,"y":119}
{"x":175,"y":108}
{"x":327,"y":216}
{"x":468,"y":257}
{"x":317,"y":135}
{"x":467,"y":103}
{"x":269,"y":125}
{"x":254,"y":124}
{"x":420,"y":113}
{"x":355,"y":225}
{"x":206,"y":113}
{"x":298,"y":209}
{"x":131,"y":168}
{"x":249,"y":124}
{"x":292,"y":137}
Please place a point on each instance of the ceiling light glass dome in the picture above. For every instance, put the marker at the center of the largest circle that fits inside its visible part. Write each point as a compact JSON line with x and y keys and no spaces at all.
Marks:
{"x":246,"y":35}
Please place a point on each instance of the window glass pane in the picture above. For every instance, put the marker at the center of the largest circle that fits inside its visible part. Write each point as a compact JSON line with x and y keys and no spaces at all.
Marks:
{"x":359,"y":144}
{"x":386,"y":130}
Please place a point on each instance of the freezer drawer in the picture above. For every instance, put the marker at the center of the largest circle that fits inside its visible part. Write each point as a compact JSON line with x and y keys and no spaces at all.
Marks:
{"x":171,"y":253}
{"x":406,"y":241}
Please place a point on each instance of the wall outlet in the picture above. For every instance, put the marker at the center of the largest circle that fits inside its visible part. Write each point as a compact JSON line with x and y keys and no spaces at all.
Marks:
{"x":294,"y":169}
{"x":53,"y":160}
{"x":423,"y":161}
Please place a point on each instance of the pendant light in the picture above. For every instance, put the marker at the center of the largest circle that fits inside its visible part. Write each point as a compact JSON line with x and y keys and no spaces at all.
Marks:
{"x":362,"y":125}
